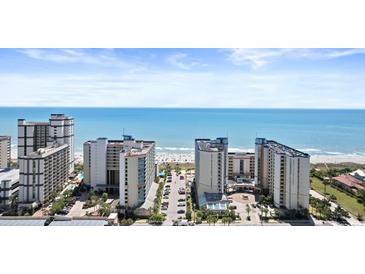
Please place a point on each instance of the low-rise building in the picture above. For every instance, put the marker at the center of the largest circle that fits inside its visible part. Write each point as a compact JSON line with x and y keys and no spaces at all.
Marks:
{"x":9,"y":187}
{"x":349,"y":183}
{"x":5,"y":151}
{"x":358,"y":174}
{"x":42,"y":173}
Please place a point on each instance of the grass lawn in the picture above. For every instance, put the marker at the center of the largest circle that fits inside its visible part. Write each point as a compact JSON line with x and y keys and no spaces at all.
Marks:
{"x":347,"y":202}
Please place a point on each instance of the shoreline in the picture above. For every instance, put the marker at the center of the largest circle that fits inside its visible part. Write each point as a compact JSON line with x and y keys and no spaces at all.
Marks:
{"x":188,"y":157}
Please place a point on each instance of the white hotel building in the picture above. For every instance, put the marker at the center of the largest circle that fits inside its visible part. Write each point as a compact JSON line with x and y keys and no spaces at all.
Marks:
{"x":5,"y":152}
{"x":211,"y":168}
{"x":35,"y":135}
{"x":123,"y":166}
{"x":283,"y":172}
{"x":241,"y":164}
{"x":41,"y":173}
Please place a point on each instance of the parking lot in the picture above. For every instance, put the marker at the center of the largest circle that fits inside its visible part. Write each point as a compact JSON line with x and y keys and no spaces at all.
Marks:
{"x":176,"y":201}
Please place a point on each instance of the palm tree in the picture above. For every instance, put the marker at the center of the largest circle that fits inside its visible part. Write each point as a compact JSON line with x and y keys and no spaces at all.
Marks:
{"x":13,"y":201}
{"x":215,"y":219}
{"x":326,"y":182}
{"x":210,"y":219}
{"x":248,"y":210}
{"x":224,"y":220}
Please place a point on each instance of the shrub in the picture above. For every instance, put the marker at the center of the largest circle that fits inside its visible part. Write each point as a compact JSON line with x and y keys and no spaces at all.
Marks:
{"x":126,"y":222}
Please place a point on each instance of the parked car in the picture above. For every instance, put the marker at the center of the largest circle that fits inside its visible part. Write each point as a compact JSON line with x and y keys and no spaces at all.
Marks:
{"x":181,"y":204}
{"x":181,"y":200}
{"x":181,"y":211}
{"x":181,"y":177}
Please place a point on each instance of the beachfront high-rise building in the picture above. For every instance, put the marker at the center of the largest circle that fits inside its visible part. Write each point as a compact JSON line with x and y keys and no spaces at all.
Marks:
{"x":283,"y":172}
{"x":9,"y":186}
{"x":101,"y":164}
{"x":211,"y":167}
{"x":35,"y":135}
{"x":5,"y":151}
{"x":61,"y":131}
{"x":137,"y":171}
{"x":126,"y":167}
{"x":42,"y":173}
{"x":241,"y":164}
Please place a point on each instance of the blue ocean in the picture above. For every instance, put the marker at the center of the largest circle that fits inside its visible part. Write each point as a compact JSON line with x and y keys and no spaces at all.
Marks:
{"x":330,"y":132}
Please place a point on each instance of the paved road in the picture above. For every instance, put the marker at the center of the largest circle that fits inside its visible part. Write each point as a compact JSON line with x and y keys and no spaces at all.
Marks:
{"x":174,"y":196}
{"x":352,"y":220}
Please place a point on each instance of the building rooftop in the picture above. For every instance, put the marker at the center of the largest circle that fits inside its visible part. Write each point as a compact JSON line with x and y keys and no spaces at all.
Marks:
{"x":86,"y":222}
{"x":209,"y":145}
{"x":241,"y":154}
{"x":281,"y":149}
{"x":44,"y":152}
{"x":358,"y":172}
{"x":60,"y":116}
{"x":22,"y":222}
{"x":145,"y":147}
{"x":32,"y":123}
{"x":9,"y":174}
{"x":350,"y":181}
{"x":4,"y":138}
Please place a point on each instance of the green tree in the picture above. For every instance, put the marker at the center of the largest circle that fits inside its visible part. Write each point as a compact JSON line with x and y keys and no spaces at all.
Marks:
{"x":104,"y":210}
{"x":212,"y":219}
{"x":339,"y":213}
{"x":104,"y":197}
{"x":156,"y":219}
{"x":57,"y":206}
{"x":226,"y":220}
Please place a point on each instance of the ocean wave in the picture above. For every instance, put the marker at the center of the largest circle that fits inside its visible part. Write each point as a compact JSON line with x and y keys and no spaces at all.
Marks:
{"x":309,"y":150}
{"x":236,"y":149}
{"x":175,"y":148}
{"x":333,"y":153}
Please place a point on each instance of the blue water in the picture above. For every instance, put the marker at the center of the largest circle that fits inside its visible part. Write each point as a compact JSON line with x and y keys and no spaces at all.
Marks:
{"x":314,"y":131}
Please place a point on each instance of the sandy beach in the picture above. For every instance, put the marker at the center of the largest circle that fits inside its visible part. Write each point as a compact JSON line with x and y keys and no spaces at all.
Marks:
{"x":188,"y":157}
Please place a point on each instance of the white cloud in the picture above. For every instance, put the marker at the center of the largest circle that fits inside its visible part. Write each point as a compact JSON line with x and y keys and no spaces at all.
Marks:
{"x":182,"y":61}
{"x":104,"y":57}
{"x":185,"y":89}
{"x":257,"y":58}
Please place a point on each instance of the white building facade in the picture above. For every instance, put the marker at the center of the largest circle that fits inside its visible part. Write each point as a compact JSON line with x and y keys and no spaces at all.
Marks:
{"x":5,"y":151}
{"x":9,"y":186}
{"x":137,"y":172}
{"x":283,"y":172}
{"x":126,"y":167}
{"x":241,"y":164}
{"x":35,"y":135}
{"x":211,"y":165}
{"x":41,"y":173}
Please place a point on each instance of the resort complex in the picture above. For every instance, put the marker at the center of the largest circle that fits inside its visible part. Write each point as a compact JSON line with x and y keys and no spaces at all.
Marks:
{"x":121,"y":182}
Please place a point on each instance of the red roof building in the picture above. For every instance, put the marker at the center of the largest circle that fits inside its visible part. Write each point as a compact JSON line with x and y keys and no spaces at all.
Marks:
{"x":348,"y":181}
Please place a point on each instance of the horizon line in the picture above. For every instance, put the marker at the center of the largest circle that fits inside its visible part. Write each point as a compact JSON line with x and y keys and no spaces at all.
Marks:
{"x":162,"y":107}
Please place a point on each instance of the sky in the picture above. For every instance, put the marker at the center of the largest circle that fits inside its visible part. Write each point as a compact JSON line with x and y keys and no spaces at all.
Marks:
{"x":188,"y":78}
